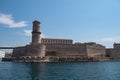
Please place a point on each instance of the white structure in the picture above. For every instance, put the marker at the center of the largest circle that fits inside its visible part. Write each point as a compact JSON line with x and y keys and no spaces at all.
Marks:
{"x":2,"y":54}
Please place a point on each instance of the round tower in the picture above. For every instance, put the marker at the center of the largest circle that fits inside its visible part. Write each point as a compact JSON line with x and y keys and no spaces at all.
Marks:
{"x":36,"y":32}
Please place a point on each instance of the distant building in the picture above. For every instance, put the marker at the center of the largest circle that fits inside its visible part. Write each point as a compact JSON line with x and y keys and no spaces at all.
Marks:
{"x":2,"y":54}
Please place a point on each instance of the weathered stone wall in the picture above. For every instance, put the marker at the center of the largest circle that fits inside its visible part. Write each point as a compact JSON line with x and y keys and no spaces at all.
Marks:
{"x":66,"y":50}
{"x":41,"y":50}
{"x":35,"y":50}
{"x":110,"y":52}
{"x":30,"y":50}
{"x":95,"y":50}
{"x":115,"y":51}
{"x":19,"y":51}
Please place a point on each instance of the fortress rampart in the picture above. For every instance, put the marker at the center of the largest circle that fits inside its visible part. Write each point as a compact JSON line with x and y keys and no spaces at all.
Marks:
{"x":114,"y":52}
{"x":56,"y":47}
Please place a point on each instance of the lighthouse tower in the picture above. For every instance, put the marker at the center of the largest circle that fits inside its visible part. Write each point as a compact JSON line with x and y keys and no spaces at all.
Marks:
{"x":36,"y":32}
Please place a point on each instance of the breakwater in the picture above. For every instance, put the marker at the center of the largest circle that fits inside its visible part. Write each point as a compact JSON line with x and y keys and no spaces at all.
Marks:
{"x":57,"y":59}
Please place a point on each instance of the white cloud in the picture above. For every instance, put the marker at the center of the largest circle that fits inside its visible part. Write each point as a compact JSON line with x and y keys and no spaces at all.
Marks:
{"x":110,"y":39}
{"x":43,"y":36}
{"x":28,"y":33}
{"x":7,"y":19}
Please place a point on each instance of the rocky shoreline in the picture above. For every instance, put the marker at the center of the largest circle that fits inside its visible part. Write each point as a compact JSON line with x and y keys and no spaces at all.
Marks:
{"x":59,"y":59}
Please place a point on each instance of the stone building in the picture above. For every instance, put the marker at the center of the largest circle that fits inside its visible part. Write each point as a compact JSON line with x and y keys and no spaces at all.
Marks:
{"x":113,"y":52}
{"x":42,"y":47}
{"x":35,"y":48}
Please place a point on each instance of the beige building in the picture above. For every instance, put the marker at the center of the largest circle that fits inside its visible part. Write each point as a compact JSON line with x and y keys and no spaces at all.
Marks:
{"x":42,"y":47}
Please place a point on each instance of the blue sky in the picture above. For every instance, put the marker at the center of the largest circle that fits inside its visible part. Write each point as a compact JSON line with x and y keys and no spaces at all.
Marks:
{"x":80,"y":20}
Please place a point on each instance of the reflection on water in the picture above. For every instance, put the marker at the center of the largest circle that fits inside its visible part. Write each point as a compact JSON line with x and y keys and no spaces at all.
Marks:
{"x":60,"y":71}
{"x":35,"y":70}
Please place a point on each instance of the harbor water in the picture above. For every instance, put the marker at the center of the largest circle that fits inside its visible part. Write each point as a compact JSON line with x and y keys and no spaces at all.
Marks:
{"x":60,"y":71}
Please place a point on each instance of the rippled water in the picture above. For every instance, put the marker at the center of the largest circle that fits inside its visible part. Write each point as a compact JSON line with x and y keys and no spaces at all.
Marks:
{"x":60,"y":71}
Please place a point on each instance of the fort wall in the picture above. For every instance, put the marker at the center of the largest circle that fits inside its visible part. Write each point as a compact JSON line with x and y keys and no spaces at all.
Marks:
{"x":95,"y":50}
{"x":30,"y":50}
{"x":77,"y":49}
{"x":114,"y":52}
{"x":110,"y":52}
{"x":66,"y":50}
{"x":19,"y":51}
{"x":55,"y":47}
{"x":35,"y":50}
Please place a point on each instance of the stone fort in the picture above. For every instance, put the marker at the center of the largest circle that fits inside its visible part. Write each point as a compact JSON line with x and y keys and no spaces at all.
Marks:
{"x":55,"y":47}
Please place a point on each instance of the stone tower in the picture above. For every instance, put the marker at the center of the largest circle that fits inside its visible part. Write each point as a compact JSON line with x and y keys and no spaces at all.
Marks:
{"x":36,"y":32}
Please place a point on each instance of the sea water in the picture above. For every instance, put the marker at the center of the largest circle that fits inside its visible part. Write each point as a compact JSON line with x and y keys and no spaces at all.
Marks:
{"x":60,"y":71}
